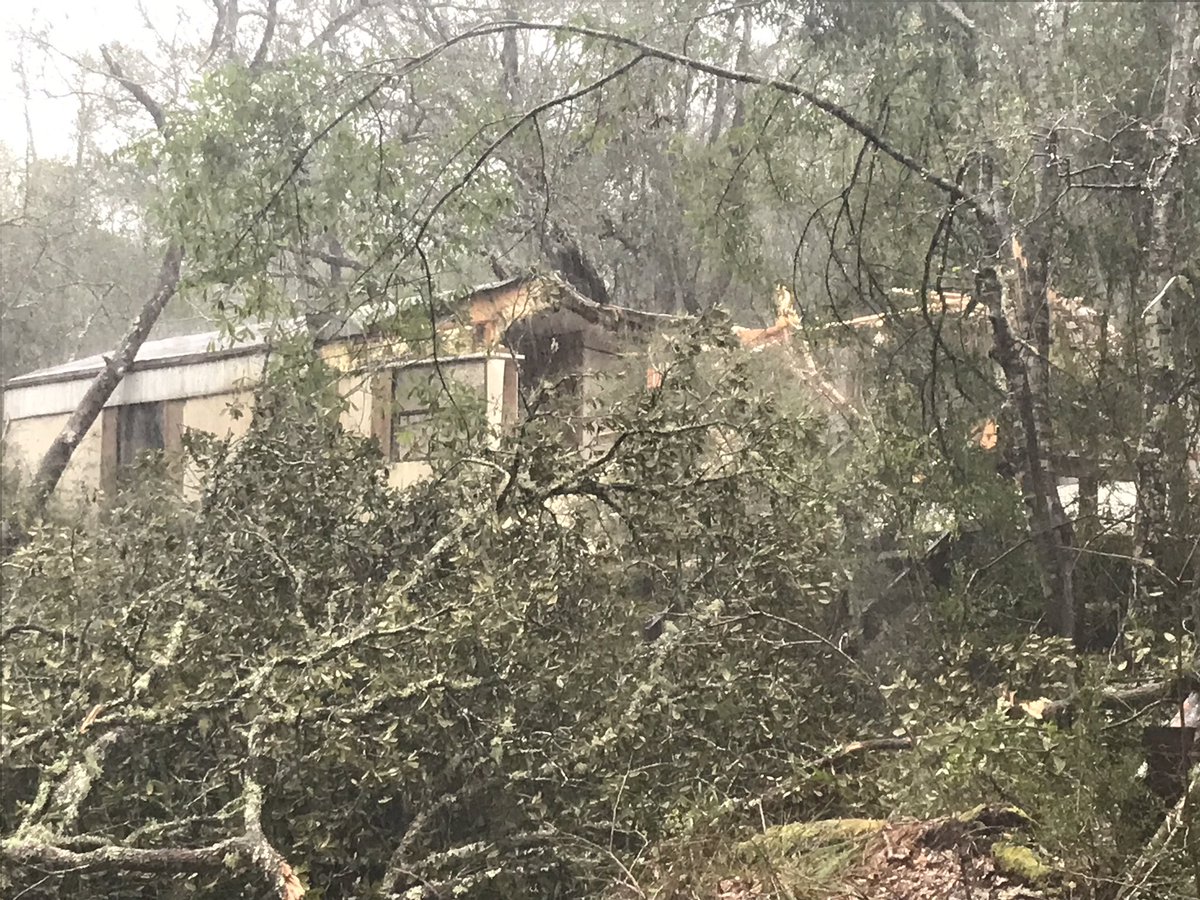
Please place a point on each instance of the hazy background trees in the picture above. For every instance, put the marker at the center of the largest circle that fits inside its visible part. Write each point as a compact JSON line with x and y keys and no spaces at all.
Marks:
{"x":314,"y":157}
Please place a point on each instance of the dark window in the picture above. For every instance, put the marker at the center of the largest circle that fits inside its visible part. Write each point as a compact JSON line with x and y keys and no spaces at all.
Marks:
{"x":412,"y":413}
{"x":428,"y":399}
{"x":139,"y":430}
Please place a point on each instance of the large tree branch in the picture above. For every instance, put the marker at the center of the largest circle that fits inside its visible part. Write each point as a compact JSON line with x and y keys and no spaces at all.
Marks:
{"x":260,"y":55}
{"x":1113,"y":699}
{"x":52,"y":859}
{"x":36,"y":848}
{"x":136,"y":90}
{"x":268,"y":860}
{"x":54,"y":461}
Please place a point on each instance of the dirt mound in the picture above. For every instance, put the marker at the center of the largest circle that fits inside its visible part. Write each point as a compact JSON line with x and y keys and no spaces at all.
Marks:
{"x":966,"y":857}
{"x":944,"y":860}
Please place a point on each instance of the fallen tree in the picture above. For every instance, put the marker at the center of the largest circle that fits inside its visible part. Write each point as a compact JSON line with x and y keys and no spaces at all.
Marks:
{"x":1139,"y":699}
{"x":58,"y":455}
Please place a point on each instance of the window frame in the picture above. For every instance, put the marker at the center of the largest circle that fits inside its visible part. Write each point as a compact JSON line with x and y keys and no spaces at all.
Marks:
{"x":116,"y":460}
{"x":127,"y":427}
{"x":475,"y":373}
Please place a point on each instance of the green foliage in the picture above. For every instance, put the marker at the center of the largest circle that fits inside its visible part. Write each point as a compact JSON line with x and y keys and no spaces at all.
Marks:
{"x":538,"y":666}
{"x":264,"y":168}
{"x":983,"y":738}
{"x":462,"y":662}
{"x":548,"y":671}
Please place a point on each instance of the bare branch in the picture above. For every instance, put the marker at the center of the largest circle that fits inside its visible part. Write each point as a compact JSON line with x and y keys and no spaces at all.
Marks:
{"x":264,"y":45}
{"x":135,"y":89}
{"x":337,"y":23}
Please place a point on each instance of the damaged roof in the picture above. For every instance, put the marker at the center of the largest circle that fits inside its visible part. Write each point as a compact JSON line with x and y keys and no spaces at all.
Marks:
{"x":211,"y":345}
{"x":189,"y":348}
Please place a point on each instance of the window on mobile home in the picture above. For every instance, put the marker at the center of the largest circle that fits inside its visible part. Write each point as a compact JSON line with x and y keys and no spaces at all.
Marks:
{"x":428,"y":399}
{"x":140,"y":429}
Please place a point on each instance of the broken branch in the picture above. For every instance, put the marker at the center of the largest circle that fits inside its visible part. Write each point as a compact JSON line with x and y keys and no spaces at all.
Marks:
{"x":136,"y":90}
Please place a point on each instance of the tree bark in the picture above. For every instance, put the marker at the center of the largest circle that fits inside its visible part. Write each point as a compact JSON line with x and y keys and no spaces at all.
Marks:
{"x":1162,"y":463}
{"x":1050,"y":529}
{"x":54,"y":461}
{"x":56,"y":458}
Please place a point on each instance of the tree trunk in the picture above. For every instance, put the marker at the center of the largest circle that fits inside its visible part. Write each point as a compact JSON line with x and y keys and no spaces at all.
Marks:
{"x":1162,"y":464}
{"x":734,"y":197}
{"x":1021,"y":322}
{"x":56,"y":458}
{"x":1050,"y":529}
{"x":510,"y":62}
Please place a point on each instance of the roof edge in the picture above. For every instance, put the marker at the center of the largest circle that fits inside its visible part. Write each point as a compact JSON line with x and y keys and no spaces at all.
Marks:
{"x":35,"y":379}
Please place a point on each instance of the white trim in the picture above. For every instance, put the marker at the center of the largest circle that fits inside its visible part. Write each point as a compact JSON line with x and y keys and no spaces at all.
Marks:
{"x":431,"y":361}
{"x":180,"y":382}
{"x":199,"y":379}
{"x":493,"y":386}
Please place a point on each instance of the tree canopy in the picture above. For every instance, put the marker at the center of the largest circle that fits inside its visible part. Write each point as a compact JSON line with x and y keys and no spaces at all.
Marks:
{"x":764,"y":602}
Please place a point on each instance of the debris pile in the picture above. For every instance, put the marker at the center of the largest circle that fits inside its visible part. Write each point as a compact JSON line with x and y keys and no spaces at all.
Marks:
{"x":966,"y":857}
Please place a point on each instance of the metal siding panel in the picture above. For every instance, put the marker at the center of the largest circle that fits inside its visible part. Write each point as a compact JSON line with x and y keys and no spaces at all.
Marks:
{"x":175,"y":383}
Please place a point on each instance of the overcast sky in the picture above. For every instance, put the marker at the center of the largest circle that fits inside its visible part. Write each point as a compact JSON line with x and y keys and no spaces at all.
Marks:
{"x":71,"y":27}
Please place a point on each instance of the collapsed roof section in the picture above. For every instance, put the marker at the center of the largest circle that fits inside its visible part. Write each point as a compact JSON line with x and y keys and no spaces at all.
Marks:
{"x":482,"y":317}
{"x":521,"y":314}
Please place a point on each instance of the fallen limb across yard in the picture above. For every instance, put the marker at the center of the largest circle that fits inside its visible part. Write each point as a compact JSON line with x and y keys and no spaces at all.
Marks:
{"x":1118,"y":699}
{"x":50,"y":858}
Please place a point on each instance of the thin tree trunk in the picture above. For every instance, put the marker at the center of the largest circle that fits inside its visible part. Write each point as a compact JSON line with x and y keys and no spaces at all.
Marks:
{"x":734,"y":197}
{"x":510,"y":61}
{"x":1162,"y":452}
{"x":1050,"y":529}
{"x":1019,"y":305}
{"x":1024,"y":358}
{"x":58,"y":456}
